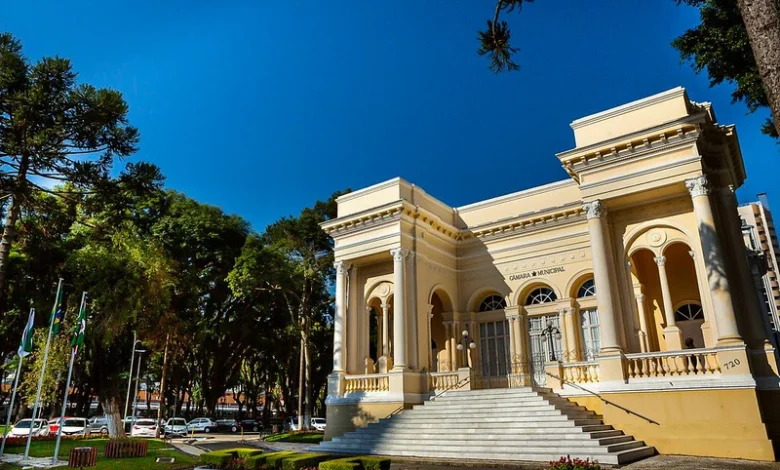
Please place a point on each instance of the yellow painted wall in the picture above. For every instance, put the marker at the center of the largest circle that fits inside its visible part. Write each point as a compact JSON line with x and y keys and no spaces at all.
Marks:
{"x":716,"y":423}
{"x":346,"y":418}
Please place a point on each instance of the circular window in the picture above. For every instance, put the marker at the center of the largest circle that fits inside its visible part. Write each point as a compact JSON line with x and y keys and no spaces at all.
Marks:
{"x":689,"y":312}
{"x":492,"y":302}
{"x":587,"y":289}
{"x":540,"y":295}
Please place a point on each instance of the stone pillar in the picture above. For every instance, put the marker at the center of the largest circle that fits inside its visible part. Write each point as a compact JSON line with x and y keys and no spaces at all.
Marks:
{"x":448,"y":344}
{"x":572,"y":332}
{"x":521,"y":357}
{"x":640,"y":307}
{"x":339,"y":320}
{"x":431,"y":359}
{"x":455,"y":340}
{"x":385,"y":329}
{"x":399,"y":309}
{"x":672,"y":333}
{"x":602,"y":267}
{"x":723,"y":306}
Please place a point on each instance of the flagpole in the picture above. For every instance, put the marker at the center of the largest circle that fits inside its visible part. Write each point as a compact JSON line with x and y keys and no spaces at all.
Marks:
{"x":43,"y":371}
{"x":11,"y":405}
{"x":67,"y":390}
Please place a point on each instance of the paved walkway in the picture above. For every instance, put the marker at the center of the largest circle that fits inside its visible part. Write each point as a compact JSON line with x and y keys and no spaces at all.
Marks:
{"x":32,"y":462}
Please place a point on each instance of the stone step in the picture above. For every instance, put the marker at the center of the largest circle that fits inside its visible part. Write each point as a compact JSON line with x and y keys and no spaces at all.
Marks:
{"x":508,"y":427}
{"x":464,"y":419}
{"x":470,"y":434}
{"x":484,"y":401}
{"x":553,"y":432}
{"x":522,"y":447}
{"x":494,"y":391}
{"x":479,"y":398}
{"x":495,"y":440}
{"x":615,"y":458}
{"x":489,"y":405}
{"x":512,"y":410}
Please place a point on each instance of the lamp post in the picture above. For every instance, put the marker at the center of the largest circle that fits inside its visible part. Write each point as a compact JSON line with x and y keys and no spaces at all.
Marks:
{"x":547,"y":336}
{"x":130,"y":375}
{"x":466,"y":343}
{"x":137,"y":379}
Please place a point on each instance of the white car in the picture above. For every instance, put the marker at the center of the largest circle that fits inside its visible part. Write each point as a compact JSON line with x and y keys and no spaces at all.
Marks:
{"x":318,"y":424}
{"x":291,"y":424}
{"x":175,"y":427}
{"x":202,"y":425}
{"x":75,"y":427}
{"x":22,"y":428}
{"x":144,"y":428}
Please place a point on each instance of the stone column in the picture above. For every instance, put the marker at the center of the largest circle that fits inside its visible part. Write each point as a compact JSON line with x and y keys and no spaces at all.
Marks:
{"x":672,"y":333}
{"x":385,"y":329}
{"x":521,"y":356}
{"x":572,"y":332}
{"x":455,"y":339}
{"x":722,"y":304}
{"x":399,"y":309}
{"x":342,"y":270}
{"x":429,"y":316}
{"x":512,"y":319}
{"x":602,"y":267}
{"x":640,"y":306}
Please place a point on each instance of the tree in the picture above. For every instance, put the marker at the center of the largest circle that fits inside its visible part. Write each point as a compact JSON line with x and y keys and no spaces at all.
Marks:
{"x":494,"y":41}
{"x":52,"y":128}
{"x":720,"y":45}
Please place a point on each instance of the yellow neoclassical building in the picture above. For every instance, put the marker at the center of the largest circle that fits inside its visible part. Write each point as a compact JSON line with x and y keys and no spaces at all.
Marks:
{"x":624,"y":288}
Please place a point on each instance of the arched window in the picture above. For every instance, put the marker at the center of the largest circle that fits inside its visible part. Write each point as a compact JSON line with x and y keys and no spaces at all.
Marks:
{"x":587,"y":289}
{"x":689,"y":312}
{"x":492,"y":302}
{"x":540,"y":295}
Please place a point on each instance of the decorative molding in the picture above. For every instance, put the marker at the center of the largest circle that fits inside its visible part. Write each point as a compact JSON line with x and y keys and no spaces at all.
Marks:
{"x":516,"y":195}
{"x":660,"y":260}
{"x":342,"y":267}
{"x":640,"y":298}
{"x":399,"y":254}
{"x":656,"y":237}
{"x":593,"y":209}
{"x":698,"y":186}
{"x":628,"y":107}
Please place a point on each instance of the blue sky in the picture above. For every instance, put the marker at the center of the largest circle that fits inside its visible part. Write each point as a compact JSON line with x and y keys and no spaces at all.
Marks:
{"x":263,"y":107}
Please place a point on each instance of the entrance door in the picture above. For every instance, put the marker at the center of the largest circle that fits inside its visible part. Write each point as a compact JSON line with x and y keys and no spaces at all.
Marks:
{"x":540,"y":350}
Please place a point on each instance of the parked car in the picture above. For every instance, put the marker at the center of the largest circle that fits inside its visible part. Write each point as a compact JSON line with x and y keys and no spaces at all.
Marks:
{"x":175,"y":427}
{"x":250,"y":425}
{"x":318,"y":424}
{"x":231,"y":425}
{"x":22,"y":428}
{"x":201,"y":425}
{"x":291,"y":424}
{"x":144,"y":428}
{"x":98,"y":425}
{"x":75,"y":427}
{"x":54,"y":425}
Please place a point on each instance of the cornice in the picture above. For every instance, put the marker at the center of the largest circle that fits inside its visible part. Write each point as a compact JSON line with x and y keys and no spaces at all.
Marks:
{"x":397,"y":181}
{"x":628,"y":107}
{"x":527,"y":222}
{"x":516,"y":195}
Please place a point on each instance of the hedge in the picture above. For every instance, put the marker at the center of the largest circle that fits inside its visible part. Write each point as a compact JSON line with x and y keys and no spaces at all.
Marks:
{"x":274,"y":459}
{"x":223,"y":458}
{"x":297,"y":462}
{"x":362,"y":462}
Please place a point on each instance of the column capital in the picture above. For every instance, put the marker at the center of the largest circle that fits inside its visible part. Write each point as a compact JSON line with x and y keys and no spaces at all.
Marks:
{"x":692,"y":253}
{"x":594,"y":209}
{"x":430,"y":308}
{"x":341,"y":267}
{"x":698,"y":186}
{"x":399,"y":254}
{"x":640,"y":297}
{"x":566,"y":310}
{"x":660,"y":260}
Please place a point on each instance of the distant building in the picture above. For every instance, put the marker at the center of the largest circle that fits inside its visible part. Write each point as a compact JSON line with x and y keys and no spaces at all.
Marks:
{"x":758,"y":230}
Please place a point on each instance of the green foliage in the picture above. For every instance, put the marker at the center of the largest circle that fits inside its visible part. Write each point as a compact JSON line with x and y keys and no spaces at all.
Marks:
{"x":56,"y":367}
{"x":300,"y":461}
{"x":362,"y":462}
{"x":721,"y":47}
{"x":274,"y":459}
{"x":226,"y":458}
{"x":303,"y":436}
{"x":494,"y":41}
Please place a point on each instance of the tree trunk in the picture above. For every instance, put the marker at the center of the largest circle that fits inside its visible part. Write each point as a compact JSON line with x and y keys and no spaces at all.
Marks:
{"x":300,"y":389}
{"x":307,"y":357}
{"x":762,"y":21}
{"x":113,"y":417}
{"x":9,"y":227}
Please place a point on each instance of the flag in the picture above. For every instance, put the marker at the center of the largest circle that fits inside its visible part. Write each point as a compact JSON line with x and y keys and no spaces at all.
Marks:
{"x":25,"y":347}
{"x":79,"y":328}
{"x":57,"y":314}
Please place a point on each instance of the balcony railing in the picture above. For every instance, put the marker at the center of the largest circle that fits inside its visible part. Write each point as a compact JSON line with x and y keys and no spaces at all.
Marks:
{"x":580,"y":372}
{"x":442,"y":380}
{"x":367,"y":383}
{"x":685,"y":363}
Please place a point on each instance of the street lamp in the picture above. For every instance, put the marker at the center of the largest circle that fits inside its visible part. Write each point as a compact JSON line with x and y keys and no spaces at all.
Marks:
{"x":130,"y":375}
{"x":137,"y":377}
{"x":466,"y":342}
{"x":547,"y":336}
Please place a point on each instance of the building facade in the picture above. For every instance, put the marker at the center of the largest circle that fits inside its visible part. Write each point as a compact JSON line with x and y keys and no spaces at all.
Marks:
{"x":758,"y":231}
{"x":617,"y":287}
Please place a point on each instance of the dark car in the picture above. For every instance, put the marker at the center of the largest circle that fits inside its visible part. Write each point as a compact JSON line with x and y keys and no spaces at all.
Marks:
{"x":98,"y":424}
{"x":251,"y":425}
{"x":231,"y":425}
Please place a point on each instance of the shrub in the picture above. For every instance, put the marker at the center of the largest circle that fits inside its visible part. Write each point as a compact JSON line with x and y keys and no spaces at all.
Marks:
{"x":230,"y":458}
{"x":300,"y":461}
{"x":272,"y":460}
{"x":362,"y":462}
{"x":567,"y":463}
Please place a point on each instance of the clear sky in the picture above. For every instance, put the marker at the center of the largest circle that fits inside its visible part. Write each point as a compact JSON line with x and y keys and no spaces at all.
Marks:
{"x":262,"y":107}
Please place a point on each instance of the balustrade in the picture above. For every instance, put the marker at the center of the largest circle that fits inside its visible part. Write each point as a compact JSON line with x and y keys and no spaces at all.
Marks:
{"x":442,"y":380}
{"x":367,"y":383}
{"x":685,"y":363}
{"x":580,"y":372}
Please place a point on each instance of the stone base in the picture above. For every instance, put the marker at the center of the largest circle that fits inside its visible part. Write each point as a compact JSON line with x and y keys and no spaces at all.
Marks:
{"x":346,"y":418}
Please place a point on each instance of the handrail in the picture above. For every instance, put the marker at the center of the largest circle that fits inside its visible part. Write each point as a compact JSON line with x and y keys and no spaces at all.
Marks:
{"x":604,"y":399}
{"x":680,"y":352}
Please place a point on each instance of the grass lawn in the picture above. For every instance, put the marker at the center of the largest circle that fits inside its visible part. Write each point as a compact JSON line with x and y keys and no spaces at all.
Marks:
{"x":156,"y":449}
{"x":306,"y":437}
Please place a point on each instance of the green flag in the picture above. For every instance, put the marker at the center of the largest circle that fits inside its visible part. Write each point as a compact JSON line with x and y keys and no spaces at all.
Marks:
{"x":25,"y":347}
{"x":56,"y":314}
{"x":80,"y":327}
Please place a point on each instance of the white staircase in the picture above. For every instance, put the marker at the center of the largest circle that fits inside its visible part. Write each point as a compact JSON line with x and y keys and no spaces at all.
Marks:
{"x":501,"y":424}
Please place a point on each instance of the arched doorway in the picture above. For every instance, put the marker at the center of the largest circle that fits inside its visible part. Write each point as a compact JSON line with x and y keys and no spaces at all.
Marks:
{"x":542,"y":346}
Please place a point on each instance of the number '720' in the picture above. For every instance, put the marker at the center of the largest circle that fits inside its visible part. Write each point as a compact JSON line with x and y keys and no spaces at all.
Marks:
{"x":731,"y":364}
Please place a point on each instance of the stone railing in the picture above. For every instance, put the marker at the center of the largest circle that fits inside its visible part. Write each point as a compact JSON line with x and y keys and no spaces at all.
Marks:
{"x":685,"y":363}
{"x":580,"y":372}
{"x":366,"y":383}
{"x":442,"y":380}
